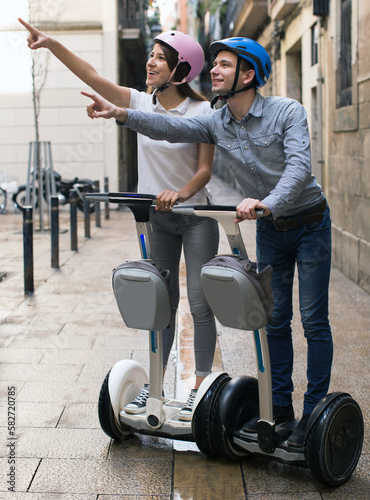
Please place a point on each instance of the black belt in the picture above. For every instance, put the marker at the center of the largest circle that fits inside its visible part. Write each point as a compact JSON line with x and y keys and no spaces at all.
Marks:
{"x":311,"y":216}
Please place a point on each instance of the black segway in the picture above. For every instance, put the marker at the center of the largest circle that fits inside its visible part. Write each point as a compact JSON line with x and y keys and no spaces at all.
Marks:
{"x":241,"y":298}
{"x":142,"y":295}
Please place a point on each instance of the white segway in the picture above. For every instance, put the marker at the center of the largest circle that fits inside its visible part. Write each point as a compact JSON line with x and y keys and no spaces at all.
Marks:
{"x":143,"y":298}
{"x":241,"y":298}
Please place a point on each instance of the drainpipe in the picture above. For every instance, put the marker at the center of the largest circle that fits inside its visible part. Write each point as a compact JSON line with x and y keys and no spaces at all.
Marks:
{"x":276,"y":37}
{"x":320,"y":81}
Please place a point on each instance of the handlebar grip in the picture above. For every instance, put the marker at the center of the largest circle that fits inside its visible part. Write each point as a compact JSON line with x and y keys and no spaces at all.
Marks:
{"x":132,"y":198}
{"x":226,"y":210}
{"x":103,"y":197}
{"x":125,"y":198}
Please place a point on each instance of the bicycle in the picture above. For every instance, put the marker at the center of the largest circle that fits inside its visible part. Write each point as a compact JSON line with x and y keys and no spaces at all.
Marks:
{"x":3,"y":200}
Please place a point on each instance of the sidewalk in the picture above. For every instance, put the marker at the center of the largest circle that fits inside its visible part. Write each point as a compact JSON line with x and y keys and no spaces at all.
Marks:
{"x":57,"y":346}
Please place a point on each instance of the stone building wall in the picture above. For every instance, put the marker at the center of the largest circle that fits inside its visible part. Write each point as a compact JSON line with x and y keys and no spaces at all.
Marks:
{"x":348,"y":150}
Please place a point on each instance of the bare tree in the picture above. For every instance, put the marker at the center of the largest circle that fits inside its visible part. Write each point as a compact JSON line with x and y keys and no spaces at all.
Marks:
{"x":41,"y":12}
{"x":39,"y":73}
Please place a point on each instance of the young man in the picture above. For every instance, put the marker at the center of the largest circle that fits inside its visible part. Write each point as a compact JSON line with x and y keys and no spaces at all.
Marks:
{"x":266,"y":144}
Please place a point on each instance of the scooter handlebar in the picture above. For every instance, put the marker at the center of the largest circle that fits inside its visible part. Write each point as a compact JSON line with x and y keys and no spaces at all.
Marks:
{"x":226,"y":211}
{"x":123,"y":198}
{"x":103,"y":197}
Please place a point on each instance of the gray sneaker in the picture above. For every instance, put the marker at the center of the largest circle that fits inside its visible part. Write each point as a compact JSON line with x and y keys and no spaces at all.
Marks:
{"x":138,"y":405}
{"x":186,"y":411}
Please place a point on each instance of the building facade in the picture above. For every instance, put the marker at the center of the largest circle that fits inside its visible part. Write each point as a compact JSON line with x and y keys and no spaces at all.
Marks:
{"x":112,"y":36}
{"x":319,"y":52}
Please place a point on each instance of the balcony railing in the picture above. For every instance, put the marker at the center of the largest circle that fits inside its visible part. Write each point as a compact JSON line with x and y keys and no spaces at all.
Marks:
{"x":245,"y":17}
{"x":232,"y":13}
{"x":278,"y":9}
{"x":132,"y":14}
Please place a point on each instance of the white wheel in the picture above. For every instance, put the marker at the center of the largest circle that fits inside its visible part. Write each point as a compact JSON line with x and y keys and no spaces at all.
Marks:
{"x":121,"y":385}
{"x":126,"y":379}
{"x":108,"y":422}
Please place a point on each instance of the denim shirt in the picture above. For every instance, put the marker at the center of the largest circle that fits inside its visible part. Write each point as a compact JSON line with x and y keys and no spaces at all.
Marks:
{"x":268,"y":151}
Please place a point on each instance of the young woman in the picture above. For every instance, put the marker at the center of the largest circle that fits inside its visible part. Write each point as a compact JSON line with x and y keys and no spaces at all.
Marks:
{"x":177,"y":172}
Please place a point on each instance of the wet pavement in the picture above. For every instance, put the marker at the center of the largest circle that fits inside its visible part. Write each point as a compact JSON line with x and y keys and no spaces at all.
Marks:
{"x":57,"y":345}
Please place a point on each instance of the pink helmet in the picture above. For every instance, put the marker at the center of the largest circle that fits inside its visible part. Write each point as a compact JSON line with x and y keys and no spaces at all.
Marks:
{"x":187,"y":48}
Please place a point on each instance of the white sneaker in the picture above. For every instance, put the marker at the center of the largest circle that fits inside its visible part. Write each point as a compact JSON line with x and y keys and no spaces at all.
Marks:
{"x":186,"y":411}
{"x":138,"y":405}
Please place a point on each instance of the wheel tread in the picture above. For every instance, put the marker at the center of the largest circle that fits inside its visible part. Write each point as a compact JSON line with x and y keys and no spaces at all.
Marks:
{"x":107,"y":419}
{"x":204,"y":416}
{"x":317,"y":438}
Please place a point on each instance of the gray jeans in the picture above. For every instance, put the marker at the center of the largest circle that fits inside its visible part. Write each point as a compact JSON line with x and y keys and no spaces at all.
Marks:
{"x":199,"y":237}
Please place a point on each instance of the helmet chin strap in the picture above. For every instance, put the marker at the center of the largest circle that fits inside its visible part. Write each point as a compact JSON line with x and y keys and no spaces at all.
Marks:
{"x":232,"y":92}
{"x":160,"y":89}
{"x":166,"y":85}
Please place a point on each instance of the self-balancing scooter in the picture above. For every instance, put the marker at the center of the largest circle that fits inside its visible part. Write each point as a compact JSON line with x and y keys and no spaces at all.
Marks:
{"x":142,"y":295}
{"x":240,"y":298}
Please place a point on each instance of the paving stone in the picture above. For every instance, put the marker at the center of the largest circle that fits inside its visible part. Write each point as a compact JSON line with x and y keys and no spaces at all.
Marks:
{"x":114,"y":477}
{"x":287,"y":496}
{"x":19,"y":356}
{"x":34,"y":414}
{"x":61,"y":443}
{"x":196,"y":476}
{"x":39,"y":372}
{"x":59,"y":392}
{"x":91,"y":357}
{"x":141,"y":447}
{"x":25,"y":468}
{"x":265,"y":476}
{"x":80,"y":416}
{"x":61,"y":340}
{"x":49,"y":496}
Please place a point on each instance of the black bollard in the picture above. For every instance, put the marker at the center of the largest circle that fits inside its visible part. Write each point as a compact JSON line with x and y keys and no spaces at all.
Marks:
{"x":28,"y":250}
{"x":106,"y":204}
{"x":73,"y":216}
{"x":97,"y":205}
{"x":87,"y":217}
{"x":54,"y":203}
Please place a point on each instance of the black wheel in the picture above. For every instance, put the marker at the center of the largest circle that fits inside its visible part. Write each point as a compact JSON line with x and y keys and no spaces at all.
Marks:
{"x":3,"y":198}
{"x":19,"y":198}
{"x":107,"y":419}
{"x":238,"y":404}
{"x":87,"y":188}
{"x":204,"y":417}
{"x":334,"y":442}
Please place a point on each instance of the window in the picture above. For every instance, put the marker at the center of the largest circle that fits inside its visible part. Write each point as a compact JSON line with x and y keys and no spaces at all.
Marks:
{"x":314,"y":44}
{"x":344,"y":88}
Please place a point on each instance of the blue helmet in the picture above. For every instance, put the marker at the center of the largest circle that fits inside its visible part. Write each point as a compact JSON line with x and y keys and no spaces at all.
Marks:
{"x":249,"y":50}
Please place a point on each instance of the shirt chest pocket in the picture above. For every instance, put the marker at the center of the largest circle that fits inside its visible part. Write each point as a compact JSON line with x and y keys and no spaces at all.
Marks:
{"x":229,"y":147}
{"x":268,"y":148}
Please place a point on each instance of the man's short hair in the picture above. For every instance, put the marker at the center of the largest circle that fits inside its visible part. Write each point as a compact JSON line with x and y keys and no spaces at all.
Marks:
{"x":246,"y":66}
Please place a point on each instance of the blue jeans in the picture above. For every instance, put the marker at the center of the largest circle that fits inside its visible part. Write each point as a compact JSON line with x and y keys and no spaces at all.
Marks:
{"x":199,"y":237}
{"x":310,"y":247}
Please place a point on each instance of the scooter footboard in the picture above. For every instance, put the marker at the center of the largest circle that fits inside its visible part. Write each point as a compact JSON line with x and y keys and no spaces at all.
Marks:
{"x":238,"y":296}
{"x":142,"y":294}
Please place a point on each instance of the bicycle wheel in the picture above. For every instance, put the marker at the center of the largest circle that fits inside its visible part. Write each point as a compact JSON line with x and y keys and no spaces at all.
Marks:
{"x":19,"y":198}
{"x":88,"y":188}
{"x":3,"y":198}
